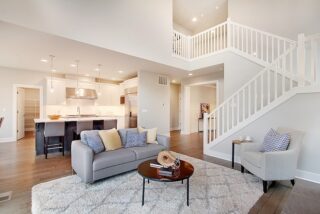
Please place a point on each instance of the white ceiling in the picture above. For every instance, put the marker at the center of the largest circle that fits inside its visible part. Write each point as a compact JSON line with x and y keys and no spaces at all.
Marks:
{"x":24,"y":48}
{"x":208,"y":13}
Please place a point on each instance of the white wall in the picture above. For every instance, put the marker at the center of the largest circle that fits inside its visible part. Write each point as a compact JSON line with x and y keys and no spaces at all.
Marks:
{"x":175,"y":106}
{"x":287,"y":18}
{"x":237,"y":72}
{"x":153,"y":102}
{"x":301,"y":112}
{"x":141,"y":28}
{"x":200,"y":94}
{"x":182,"y":30}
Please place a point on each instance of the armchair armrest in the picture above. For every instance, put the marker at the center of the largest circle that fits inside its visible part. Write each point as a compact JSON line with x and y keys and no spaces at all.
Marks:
{"x":280,"y":165}
{"x":163,"y":140}
{"x":254,"y":147}
{"x":82,"y":160}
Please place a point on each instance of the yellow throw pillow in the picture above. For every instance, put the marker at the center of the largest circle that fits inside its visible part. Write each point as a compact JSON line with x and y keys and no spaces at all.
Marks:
{"x":151,"y":134}
{"x":110,"y":139}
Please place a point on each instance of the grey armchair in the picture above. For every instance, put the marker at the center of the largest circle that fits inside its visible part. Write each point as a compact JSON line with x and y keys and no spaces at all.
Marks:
{"x":271,"y":166}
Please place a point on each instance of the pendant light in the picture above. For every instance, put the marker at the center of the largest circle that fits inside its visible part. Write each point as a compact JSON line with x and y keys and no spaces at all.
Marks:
{"x":99,"y":77}
{"x":77,"y":89}
{"x":51,"y":70}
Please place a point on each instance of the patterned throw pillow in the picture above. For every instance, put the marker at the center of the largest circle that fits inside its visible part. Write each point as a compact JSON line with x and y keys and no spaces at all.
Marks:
{"x":136,"y":139}
{"x":93,"y":140}
{"x":273,"y":141}
{"x":151,"y":134}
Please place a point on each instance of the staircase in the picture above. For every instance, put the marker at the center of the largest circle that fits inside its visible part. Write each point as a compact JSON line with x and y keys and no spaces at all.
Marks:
{"x":289,"y":66}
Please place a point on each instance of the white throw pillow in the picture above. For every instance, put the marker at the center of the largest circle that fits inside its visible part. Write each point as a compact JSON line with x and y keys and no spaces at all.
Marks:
{"x":151,"y":134}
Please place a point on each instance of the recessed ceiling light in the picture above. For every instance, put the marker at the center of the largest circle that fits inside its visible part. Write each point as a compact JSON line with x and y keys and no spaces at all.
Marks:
{"x":190,"y":74}
{"x":120,"y":72}
{"x":44,"y":60}
{"x":194,"y":19}
{"x":217,"y":7}
{"x":73,"y":65}
{"x":174,"y":81}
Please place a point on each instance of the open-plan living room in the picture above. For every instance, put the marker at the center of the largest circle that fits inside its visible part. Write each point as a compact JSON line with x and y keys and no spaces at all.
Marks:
{"x":160,"y":106}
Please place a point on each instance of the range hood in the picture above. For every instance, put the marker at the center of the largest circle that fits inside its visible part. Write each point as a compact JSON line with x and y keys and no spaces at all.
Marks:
{"x":89,"y":94}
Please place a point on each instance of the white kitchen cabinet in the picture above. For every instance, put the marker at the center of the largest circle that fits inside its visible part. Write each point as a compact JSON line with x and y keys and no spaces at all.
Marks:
{"x":58,"y":95}
{"x":110,"y":95}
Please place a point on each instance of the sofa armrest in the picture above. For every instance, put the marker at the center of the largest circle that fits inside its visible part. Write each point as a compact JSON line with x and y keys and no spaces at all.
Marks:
{"x":164,"y":141}
{"x":281,"y":164}
{"x":82,"y":160}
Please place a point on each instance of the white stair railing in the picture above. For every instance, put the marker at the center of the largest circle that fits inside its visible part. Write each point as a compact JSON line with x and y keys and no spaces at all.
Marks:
{"x":258,"y":44}
{"x":253,"y":43}
{"x":297,"y":67}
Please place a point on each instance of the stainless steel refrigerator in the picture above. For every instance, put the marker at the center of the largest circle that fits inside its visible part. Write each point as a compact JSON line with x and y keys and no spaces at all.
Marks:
{"x":131,"y":108}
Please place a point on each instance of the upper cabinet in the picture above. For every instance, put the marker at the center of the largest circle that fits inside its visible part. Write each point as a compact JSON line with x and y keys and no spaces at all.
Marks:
{"x":110,"y":93}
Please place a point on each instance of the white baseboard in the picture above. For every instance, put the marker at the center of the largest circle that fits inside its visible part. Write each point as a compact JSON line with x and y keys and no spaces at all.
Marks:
{"x":308,"y":176}
{"x":7,"y":140}
{"x":301,"y":174}
{"x":174,"y":128}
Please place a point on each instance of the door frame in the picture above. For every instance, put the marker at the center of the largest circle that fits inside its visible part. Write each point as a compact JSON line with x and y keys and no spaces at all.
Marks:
{"x":185,"y":129}
{"x":14,"y":106}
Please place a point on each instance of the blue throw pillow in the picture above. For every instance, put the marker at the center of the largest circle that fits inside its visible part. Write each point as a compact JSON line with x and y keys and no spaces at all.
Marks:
{"x":123,"y":134}
{"x":273,"y":141}
{"x":135,"y":139}
{"x":93,"y":140}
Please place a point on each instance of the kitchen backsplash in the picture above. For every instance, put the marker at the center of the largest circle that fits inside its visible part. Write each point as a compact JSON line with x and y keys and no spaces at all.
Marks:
{"x":85,"y":109}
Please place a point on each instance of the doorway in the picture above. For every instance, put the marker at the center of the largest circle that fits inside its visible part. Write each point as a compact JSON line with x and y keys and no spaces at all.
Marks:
{"x":175,"y":107}
{"x":199,"y":97}
{"x":28,"y":107}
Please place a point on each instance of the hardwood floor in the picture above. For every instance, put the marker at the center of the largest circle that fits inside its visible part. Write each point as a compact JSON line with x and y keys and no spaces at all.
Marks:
{"x":20,"y":170}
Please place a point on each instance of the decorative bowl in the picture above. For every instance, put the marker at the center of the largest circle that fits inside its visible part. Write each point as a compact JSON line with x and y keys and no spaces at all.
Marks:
{"x":54,"y":116}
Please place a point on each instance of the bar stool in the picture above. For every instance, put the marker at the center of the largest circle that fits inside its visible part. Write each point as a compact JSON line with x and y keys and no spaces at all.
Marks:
{"x":110,"y":124}
{"x":54,"y":130}
{"x":82,"y":126}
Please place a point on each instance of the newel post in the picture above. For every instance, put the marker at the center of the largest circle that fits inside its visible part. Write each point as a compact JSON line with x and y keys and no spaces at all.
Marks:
{"x":301,"y":59}
{"x":229,"y":32}
{"x":205,"y":129}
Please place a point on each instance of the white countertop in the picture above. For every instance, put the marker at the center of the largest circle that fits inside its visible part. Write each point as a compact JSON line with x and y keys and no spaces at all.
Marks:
{"x":48,"y":120}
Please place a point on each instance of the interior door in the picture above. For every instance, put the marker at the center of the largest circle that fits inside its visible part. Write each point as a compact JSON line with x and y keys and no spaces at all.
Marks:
{"x":20,"y":113}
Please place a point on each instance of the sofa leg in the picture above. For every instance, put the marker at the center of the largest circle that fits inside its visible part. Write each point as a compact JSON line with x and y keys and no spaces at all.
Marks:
{"x":292,"y":182}
{"x":265,"y":186}
{"x":242,"y":169}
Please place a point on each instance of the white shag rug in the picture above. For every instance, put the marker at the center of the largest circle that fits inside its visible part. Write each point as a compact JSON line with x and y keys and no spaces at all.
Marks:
{"x":213,"y":189}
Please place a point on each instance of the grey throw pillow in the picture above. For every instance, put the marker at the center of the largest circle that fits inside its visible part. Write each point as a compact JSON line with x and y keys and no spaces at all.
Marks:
{"x":273,"y":141}
{"x":123,"y":134}
{"x":135,"y":139}
{"x":93,"y":140}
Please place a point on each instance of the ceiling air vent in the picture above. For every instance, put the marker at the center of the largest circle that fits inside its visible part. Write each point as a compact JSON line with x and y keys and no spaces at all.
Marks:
{"x":163,"y":80}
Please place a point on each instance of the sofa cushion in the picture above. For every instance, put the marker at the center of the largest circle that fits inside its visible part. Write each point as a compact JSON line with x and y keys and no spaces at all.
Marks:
{"x":151,"y":134}
{"x":110,"y":139}
{"x":147,"y":151}
{"x":112,"y":158}
{"x":273,"y":141}
{"x":93,"y":140}
{"x":123,"y":134}
{"x":135,"y":139}
{"x":253,"y":158}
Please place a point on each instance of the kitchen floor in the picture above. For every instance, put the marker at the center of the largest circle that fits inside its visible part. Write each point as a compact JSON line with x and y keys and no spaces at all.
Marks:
{"x":20,"y":170}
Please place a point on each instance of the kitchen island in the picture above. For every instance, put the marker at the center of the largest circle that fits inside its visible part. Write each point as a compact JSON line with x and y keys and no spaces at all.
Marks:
{"x":70,"y":127}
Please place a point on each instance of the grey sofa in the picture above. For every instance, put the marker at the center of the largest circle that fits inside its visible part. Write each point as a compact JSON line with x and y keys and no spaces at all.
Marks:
{"x":90,"y":167}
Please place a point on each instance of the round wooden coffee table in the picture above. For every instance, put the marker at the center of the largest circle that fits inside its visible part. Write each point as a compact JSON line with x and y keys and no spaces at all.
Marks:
{"x":147,"y":172}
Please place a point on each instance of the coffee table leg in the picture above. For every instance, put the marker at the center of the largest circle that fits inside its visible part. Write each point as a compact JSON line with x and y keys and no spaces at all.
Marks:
{"x":188,"y":192}
{"x":143,"y":185}
{"x":232,"y":162}
{"x":181,"y":181}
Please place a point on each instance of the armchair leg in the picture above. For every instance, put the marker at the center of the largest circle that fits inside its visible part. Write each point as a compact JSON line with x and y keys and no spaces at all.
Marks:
{"x":265,"y":186}
{"x":292,"y":182}
{"x":242,"y":169}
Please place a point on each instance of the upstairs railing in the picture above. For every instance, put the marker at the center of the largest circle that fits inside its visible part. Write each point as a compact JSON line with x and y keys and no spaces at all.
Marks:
{"x":296,"y":67}
{"x":254,"y":43}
